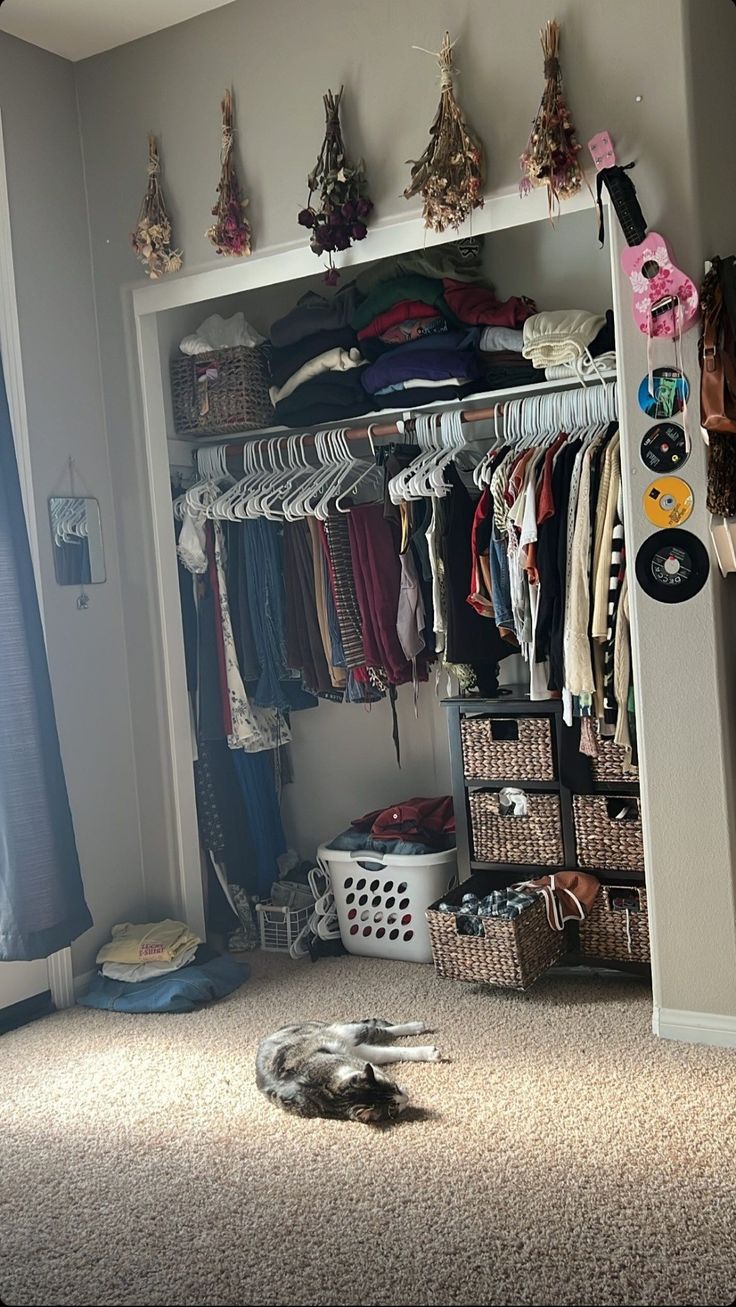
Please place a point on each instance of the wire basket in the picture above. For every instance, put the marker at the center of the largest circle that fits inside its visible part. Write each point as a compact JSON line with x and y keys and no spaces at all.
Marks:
{"x":507,"y":748}
{"x":279,"y":926}
{"x":220,"y":392}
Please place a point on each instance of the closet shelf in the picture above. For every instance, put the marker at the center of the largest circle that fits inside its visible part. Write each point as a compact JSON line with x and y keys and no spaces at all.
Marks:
{"x":523,"y":872}
{"x":481,"y":399}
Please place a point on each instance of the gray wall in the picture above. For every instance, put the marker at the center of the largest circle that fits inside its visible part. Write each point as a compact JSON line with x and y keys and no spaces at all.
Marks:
{"x":66,"y":417}
{"x":172,"y":83}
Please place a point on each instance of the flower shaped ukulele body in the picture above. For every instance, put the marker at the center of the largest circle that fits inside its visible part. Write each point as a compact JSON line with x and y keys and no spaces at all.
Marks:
{"x":665,"y":300}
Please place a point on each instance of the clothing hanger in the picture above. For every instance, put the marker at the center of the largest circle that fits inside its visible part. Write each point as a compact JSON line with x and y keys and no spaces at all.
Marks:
{"x":371,"y":468}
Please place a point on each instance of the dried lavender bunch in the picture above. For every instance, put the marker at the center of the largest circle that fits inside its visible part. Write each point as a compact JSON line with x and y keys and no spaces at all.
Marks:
{"x":449,"y":175}
{"x":344,"y":206}
{"x":151,"y":239}
{"x":230,"y":233}
{"x":551,"y":156}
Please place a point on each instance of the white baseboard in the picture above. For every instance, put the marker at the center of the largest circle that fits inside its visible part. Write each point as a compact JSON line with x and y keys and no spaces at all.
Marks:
{"x":82,"y":981}
{"x":694,"y":1027}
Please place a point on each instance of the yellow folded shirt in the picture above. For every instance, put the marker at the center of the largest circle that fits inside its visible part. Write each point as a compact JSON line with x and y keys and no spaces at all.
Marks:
{"x":152,"y":941}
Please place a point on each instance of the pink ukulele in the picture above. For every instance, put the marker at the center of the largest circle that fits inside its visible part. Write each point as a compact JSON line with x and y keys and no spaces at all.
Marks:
{"x":665,"y":300}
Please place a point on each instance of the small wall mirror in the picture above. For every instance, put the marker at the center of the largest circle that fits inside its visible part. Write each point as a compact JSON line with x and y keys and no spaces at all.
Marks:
{"x":76,"y":532}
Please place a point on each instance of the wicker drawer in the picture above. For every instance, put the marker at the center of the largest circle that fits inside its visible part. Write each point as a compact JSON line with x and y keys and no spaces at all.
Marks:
{"x":507,"y":748}
{"x":609,"y":765}
{"x":534,"y":839}
{"x":223,"y":391}
{"x":607,"y":843}
{"x":512,"y":953}
{"x":617,"y":929}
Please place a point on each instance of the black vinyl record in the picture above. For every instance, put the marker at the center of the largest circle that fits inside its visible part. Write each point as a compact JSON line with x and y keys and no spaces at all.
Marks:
{"x":664,"y":448}
{"x":672,"y":566}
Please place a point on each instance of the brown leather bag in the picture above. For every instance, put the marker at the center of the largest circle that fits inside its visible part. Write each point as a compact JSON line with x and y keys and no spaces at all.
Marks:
{"x":718,"y":366}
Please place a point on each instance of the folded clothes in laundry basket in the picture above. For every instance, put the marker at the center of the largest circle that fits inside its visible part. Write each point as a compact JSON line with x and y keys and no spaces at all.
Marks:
{"x":353,"y":840}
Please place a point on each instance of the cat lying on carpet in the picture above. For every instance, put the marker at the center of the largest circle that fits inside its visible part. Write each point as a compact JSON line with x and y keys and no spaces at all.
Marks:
{"x":316,"y":1069}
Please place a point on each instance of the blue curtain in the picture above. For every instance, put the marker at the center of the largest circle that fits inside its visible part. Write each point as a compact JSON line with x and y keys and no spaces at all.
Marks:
{"x":42,"y":907}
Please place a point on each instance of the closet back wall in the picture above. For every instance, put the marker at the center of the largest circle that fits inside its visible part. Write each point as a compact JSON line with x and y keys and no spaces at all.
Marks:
{"x":279,"y":69}
{"x":86,"y":650}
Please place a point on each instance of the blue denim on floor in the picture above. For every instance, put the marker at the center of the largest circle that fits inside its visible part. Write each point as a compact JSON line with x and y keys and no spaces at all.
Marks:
{"x":503,"y":614}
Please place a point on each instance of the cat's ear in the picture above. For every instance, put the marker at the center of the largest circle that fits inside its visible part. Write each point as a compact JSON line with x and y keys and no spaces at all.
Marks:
{"x":370,"y":1074}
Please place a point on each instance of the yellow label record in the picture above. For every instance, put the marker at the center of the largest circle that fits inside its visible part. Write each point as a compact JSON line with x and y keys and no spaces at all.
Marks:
{"x":668,"y":501}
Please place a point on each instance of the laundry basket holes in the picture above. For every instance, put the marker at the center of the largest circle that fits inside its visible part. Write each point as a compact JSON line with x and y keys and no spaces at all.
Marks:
{"x":361,"y":883}
{"x":380,"y":932}
{"x":348,"y":882}
{"x":388,"y":886}
{"x":406,"y":919}
{"x":349,"y":898}
{"x":367,"y":930}
{"x":401,"y":889}
{"x":390,"y":901}
{"x":391,"y":918}
{"x":408,"y":934}
{"x":352,"y":914}
{"x":378,"y":916}
{"x":393,"y":934}
{"x":377,"y":901}
{"x":363,"y":899}
{"x":404,"y":903}
{"x":365,"y":915}
{"x":375,"y":885}
{"x":354,"y":929}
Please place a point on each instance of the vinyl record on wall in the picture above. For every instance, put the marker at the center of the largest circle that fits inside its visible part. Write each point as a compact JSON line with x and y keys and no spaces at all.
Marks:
{"x":668,"y":501}
{"x":664,"y":447}
{"x":672,"y":566}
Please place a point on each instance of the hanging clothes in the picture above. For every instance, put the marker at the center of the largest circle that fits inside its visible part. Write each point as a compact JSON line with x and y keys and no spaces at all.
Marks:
{"x":304,"y":646}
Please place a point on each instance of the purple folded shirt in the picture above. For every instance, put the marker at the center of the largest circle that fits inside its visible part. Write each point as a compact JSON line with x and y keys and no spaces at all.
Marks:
{"x":427,"y":364}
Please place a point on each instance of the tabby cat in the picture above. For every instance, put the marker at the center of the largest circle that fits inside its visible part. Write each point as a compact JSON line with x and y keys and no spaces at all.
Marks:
{"x":316,"y":1069}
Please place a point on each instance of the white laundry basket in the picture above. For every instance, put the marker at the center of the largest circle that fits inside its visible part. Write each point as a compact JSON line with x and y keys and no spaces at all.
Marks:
{"x":381,"y":899}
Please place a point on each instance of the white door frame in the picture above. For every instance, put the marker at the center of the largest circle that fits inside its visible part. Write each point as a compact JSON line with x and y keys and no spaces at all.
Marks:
{"x":55,"y":972}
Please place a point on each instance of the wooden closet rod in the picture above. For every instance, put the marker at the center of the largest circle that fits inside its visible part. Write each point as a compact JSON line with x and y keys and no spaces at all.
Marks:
{"x":378,"y":431}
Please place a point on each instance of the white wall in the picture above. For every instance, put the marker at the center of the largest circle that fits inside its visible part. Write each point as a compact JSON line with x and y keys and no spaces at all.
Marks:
{"x":279,"y":73}
{"x":66,"y":417}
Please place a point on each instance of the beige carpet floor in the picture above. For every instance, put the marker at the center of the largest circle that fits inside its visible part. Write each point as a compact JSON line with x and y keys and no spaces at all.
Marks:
{"x":563,"y":1156}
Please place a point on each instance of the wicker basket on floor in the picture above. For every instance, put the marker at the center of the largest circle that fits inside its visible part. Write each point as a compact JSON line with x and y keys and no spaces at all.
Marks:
{"x":609,"y":765}
{"x":512,"y":954}
{"x":618,"y":926}
{"x":535,"y":839}
{"x":604,"y":842}
{"x":220,"y":392}
{"x":517,"y":748}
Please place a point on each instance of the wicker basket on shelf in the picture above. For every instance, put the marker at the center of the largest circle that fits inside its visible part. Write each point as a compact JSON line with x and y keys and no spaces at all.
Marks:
{"x":533,"y":839}
{"x":606,"y":842}
{"x":223,"y":391}
{"x":609,"y":765}
{"x":518,"y":748}
{"x":617,"y":929}
{"x":512,"y":953}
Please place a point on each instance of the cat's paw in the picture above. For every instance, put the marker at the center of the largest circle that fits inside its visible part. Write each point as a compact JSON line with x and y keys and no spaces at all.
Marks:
{"x":417,"y":1028}
{"x":430,"y":1054}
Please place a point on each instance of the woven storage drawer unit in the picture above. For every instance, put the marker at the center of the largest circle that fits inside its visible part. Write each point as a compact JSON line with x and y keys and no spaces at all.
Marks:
{"x":536,"y":838}
{"x":223,"y":391}
{"x":512,"y":953}
{"x":604,"y":842}
{"x":488,"y":753}
{"x":609,"y":765}
{"x":616,"y":934}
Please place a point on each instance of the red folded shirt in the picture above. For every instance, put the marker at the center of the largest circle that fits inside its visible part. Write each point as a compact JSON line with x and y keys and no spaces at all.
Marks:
{"x":479,"y":307}
{"x":400,"y":312}
{"x":422,"y":820}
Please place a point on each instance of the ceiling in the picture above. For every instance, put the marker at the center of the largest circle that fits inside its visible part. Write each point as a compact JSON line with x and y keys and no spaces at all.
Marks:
{"x":79,"y":28}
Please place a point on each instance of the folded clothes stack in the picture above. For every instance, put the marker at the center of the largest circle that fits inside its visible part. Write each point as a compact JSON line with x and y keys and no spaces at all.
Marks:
{"x":315,"y":362}
{"x":570,"y":342}
{"x":140,"y":951}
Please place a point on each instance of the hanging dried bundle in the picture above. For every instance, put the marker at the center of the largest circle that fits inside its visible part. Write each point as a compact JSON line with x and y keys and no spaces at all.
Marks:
{"x":151,"y":239}
{"x":229,"y":233}
{"x":449,"y":175}
{"x":344,"y":205}
{"x":551,"y":156}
